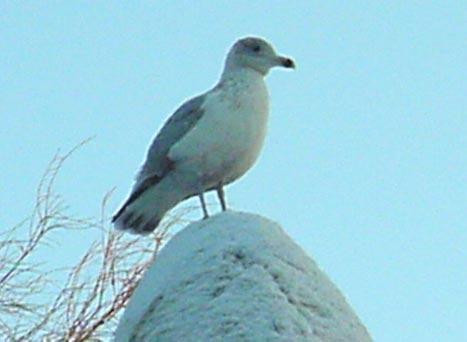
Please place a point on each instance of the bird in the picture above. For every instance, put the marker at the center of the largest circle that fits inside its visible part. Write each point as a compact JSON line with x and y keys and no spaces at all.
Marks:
{"x":210,"y":141}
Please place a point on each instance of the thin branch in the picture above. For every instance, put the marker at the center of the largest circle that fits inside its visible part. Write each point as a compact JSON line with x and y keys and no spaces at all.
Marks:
{"x":97,"y":288}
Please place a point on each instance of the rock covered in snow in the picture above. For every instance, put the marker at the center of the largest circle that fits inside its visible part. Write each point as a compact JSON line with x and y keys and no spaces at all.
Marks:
{"x":237,"y":277}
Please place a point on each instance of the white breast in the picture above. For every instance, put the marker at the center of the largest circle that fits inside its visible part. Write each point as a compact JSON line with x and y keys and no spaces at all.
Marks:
{"x":228,"y":138}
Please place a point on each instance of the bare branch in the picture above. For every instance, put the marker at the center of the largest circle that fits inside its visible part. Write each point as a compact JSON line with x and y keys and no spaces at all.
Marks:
{"x":96,"y":289}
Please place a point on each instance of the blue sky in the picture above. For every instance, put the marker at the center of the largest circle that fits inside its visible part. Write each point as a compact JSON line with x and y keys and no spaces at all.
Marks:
{"x":365,"y":162}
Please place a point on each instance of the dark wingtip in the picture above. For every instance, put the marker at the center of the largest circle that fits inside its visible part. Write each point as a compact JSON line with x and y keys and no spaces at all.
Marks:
{"x":145,"y":185}
{"x":118,"y":214}
{"x":134,"y":224}
{"x":149,"y":226}
{"x":114,"y":218}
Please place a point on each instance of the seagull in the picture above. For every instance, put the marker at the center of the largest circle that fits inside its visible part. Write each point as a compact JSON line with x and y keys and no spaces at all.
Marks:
{"x":210,"y":141}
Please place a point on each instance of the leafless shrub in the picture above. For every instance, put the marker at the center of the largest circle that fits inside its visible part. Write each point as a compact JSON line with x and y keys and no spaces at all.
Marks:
{"x":86,"y":306}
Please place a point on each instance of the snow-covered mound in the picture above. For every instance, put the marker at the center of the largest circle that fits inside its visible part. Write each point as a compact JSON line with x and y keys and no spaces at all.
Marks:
{"x":237,"y":277}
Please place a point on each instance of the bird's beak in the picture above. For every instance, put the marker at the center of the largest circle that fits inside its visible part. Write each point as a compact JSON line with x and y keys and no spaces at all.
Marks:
{"x":285,"y":62}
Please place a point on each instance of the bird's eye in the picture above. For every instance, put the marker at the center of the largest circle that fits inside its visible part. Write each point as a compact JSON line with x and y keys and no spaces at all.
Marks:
{"x":256,"y":48}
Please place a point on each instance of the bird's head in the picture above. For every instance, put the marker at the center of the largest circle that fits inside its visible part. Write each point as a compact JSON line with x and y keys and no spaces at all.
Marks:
{"x":257,"y":54}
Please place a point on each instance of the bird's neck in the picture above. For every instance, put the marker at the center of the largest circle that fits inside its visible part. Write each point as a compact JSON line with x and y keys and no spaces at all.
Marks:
{"x":239,"y":73}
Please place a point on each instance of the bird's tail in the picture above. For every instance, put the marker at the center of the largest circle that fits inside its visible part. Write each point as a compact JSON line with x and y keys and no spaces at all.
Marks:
{"x":143,"y":211}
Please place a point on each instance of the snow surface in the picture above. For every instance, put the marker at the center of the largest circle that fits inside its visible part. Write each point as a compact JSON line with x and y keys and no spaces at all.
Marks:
{"x":237,"y":277}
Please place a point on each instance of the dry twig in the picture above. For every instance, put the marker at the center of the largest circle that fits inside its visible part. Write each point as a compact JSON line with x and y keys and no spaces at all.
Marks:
{"x":99,"y":286}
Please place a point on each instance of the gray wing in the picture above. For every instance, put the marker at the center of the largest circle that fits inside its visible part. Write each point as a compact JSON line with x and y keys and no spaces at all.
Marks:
{"x":180,"y":123}
{"x":157,"y":163}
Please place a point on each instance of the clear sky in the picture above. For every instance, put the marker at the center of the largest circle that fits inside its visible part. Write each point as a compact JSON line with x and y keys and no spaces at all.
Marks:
{"x":365,"y":163}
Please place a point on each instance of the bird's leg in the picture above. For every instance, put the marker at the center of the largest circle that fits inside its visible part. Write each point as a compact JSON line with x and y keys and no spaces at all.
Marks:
{"x":221,"y":195}
{"x":203,"y":205}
